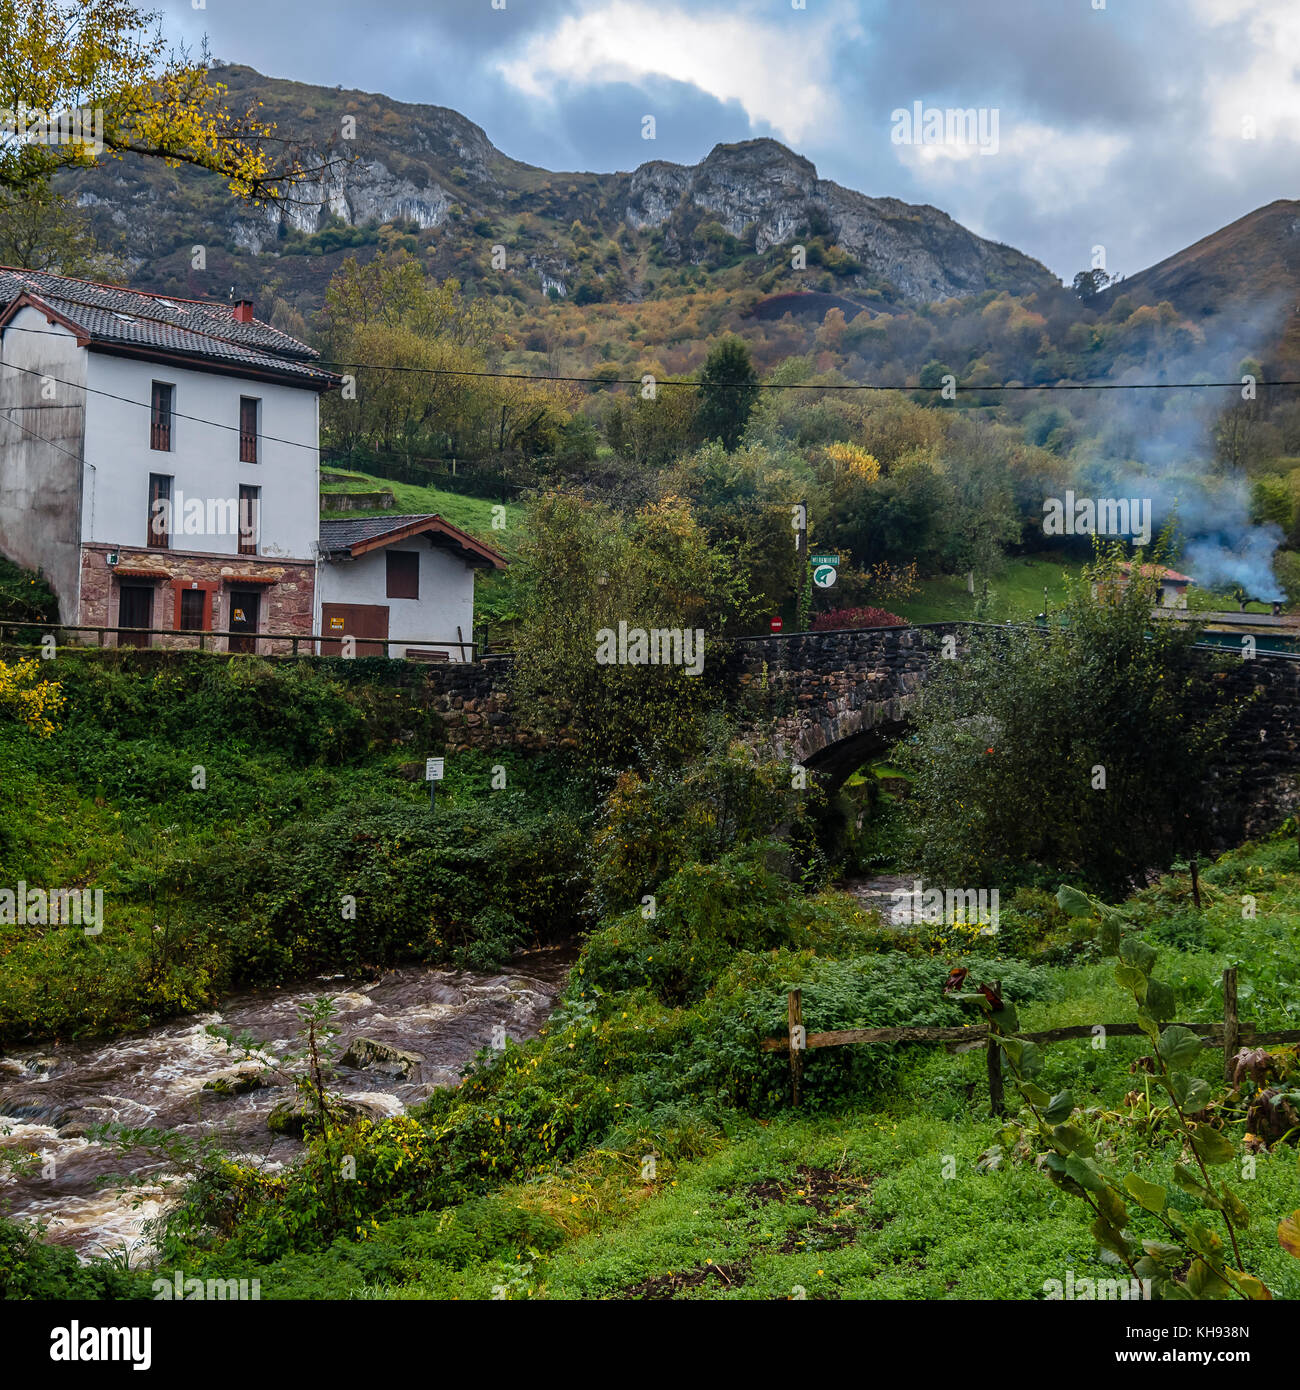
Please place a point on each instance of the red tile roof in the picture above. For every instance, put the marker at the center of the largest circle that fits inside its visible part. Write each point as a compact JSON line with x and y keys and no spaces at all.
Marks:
{"x":134,"y":321}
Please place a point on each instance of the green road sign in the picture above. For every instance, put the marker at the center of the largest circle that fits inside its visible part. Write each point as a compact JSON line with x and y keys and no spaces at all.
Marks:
{"x":824,"y":576}
{"x":823,"y":559}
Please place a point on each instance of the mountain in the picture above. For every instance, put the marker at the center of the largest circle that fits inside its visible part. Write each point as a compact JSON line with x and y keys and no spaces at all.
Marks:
{"x":1246,"y":274}
{"x":432,"y":180}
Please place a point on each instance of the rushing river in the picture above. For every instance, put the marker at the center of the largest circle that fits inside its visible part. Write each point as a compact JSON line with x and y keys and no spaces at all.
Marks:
{"x":49,"y":1096}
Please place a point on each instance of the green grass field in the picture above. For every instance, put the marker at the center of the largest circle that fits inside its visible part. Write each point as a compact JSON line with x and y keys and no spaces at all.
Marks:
{"x":472,"y":514}
{"x":1017,"y":592}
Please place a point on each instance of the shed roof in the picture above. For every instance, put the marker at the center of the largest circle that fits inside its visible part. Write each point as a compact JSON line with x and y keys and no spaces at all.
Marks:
{"x":354,"y":537}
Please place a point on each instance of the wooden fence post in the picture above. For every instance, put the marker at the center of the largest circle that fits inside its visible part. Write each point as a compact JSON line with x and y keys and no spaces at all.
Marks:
{"x":993,"y":1056}
{"x":798,"y":1040}
{"x":1230,"y":1025}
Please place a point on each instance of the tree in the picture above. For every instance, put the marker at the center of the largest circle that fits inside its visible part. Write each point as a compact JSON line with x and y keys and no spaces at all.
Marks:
{"x":414,"y":345}
{"x":97,"y":57}
{"x":728,"y":391}
{"x":1084,"y":749}
{"x":42,"y":230}
{"x":582,"y":569}
{"x":1088,"y":284}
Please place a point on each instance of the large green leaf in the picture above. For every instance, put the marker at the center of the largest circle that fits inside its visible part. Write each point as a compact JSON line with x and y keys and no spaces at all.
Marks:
{"x":1160,"y":1001}
{"x":1129,"y":977}
{"x":1149,"y":1196}
{"x":1112,"y":1207}
{"x":1070,"y":900}
{"x":1178,"y":1046}
{"x":1111,"y":1237}
{"x":1203,"y":1282}
{"x":1192,"y":1184}
{"x":1191,"y":1092}
{"x":1288,"y":1234}
{"x":1238,"y":1212}
{"x":1031,"y":1059}
{"x":1073,"y":1141}
{"x":1005,"y":1018}
{"x":1134,"y":951}
{"x":1252,"y":1287}
{"x":1212,"y":1146}
{"x":1085,"y":1172}
{"x":1059,"y":1108}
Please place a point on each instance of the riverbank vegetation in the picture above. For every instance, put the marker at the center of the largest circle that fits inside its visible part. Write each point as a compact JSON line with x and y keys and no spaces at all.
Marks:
{"x":645,"y":1145}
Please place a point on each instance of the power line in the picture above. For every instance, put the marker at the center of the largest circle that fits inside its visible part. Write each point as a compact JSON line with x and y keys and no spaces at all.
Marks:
{"x":146,"y":405}
{"x":755,"y":385}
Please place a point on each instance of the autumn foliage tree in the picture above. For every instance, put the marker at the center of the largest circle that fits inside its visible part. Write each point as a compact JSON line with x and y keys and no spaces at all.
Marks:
{"x":106,"y":57}
{"x":582,"y":568}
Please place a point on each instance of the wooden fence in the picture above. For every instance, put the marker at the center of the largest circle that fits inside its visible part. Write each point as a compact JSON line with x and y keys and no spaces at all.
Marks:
{"x":1230,"y":1035}
{"x":249,"y":642}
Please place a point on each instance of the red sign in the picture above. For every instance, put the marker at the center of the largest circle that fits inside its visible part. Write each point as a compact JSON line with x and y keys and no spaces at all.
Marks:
{"x":776,"y":624}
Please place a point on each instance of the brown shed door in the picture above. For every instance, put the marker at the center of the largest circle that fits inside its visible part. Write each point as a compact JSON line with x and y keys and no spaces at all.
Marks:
{"x":359,"y":620}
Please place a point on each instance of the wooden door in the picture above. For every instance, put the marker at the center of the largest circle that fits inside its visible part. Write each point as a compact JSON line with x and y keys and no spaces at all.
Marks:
{"x":245,"y":605}
{"x":134,"y":609}
{"x":359,"y":620}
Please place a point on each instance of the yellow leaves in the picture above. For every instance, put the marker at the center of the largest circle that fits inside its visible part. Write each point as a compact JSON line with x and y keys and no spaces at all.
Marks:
{"x":99,"y":59}
{"x":852,"y":460}
{"x":1288,"y":1234}
{"x":33,"y":702}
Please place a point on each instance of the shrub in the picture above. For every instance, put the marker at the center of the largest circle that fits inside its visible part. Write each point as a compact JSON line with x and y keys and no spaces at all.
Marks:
{"x":857,"y":617}
{"x":384,"y":882}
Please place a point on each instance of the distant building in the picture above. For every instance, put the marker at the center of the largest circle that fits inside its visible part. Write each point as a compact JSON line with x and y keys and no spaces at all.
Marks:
{"x":158,"y":458}
{"x":409,"y":577}
{"x":1171,"y":585}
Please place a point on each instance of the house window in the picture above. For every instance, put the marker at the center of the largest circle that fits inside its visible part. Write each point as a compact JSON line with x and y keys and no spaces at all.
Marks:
{"x":160,"y":417}
{"x":194,"y":604}
{"x":249,"y":507}
{"x":403,"y":573}
{"x":160,"y":506}
{"x":248,"y":428}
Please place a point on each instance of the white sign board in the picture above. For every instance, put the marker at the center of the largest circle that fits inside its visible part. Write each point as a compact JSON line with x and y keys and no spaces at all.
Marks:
{"x":824,"y":576}
{"x":433,"y":769}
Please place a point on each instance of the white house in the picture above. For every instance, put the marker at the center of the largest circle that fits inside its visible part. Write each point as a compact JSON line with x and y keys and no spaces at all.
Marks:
{"x":159,"y":459}
{"x":409,"y":577}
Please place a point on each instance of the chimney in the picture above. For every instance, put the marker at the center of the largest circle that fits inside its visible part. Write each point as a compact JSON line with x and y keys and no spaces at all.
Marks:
{"x":243,"y":310}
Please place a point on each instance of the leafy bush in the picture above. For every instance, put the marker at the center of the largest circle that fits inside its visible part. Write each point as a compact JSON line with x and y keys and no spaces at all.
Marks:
{"x":32,"y":1269}
{"x":857,"y":617}
{"x":25,"y":595}
{"x":375,"y":884}
{"x":656,"y":822}
{"x":1014,"y":740}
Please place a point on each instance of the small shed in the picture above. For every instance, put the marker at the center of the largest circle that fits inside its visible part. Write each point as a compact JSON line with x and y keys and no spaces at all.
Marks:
{"x":1171,"y":586}
{"x":409,"y":578}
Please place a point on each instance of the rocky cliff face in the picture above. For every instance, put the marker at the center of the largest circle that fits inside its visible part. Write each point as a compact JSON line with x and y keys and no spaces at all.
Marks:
{"x":437,"y":174}
{"x":763,"y":191}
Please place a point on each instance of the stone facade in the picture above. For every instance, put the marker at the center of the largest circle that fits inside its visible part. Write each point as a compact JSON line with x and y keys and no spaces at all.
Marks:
{"x":287,"y":590}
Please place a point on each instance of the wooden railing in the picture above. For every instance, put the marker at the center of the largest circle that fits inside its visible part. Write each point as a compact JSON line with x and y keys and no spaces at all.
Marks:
{"x":205,"y":638}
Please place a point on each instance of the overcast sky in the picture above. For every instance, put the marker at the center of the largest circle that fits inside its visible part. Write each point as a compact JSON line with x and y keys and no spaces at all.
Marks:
{"x":1123,"y":126}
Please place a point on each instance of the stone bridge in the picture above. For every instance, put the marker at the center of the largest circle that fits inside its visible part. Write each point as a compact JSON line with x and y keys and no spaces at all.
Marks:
{"x":832,"y":700}
{"x":828,"y":700}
